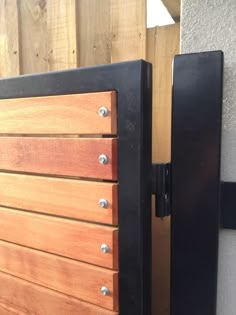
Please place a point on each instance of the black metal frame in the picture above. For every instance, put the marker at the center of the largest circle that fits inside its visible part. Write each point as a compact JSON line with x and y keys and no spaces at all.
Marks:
{"x":196,"y":142}
{"x":133,"y":83}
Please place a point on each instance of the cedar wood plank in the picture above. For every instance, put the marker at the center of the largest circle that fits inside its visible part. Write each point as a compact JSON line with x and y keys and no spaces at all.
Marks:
{"x":59,"y":196}
{"x":59,"y":156}
{"x":59,"y":114}
{"x":21,"y":297}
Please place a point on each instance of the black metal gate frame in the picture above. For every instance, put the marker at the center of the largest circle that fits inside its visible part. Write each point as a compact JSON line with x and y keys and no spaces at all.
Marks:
{"x":133,"y":83}
{"x":190,"y":186}
{"x":196,"y":187}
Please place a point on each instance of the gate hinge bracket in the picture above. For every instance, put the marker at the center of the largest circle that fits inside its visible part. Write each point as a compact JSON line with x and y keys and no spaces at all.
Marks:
{"x":161,"y":188}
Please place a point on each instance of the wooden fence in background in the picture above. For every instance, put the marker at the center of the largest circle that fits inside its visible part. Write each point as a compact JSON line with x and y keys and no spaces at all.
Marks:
{"x":46,"y":35}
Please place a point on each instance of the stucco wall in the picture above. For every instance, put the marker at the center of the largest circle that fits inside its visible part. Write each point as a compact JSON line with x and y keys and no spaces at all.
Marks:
{"x":211,"y":25}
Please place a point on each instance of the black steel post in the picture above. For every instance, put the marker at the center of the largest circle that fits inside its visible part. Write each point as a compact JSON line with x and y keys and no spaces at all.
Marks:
{"x":196,"y":139}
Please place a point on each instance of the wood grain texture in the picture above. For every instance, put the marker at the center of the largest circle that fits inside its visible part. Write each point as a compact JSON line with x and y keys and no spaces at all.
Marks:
{"x":73,"y":239}
{"x":64,"y":197}
{"x":162,"y":45}
{"x":94,"y":32}
{"x":61,"y":156}
{"x":60,"y":114}
{"x":61,"y":32}
{"x":9,"y":38}
{"x":128,"y":38}
{"x":67,"y":276}
{"x":22,"y":297}
{"x":33,"y":36}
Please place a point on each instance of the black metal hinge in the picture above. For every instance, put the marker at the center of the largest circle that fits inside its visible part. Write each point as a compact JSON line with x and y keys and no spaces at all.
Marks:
{"x":161,"y":188}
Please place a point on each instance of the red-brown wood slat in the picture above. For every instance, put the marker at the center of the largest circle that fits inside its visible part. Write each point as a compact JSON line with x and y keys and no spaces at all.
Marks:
{"x":70,"y":238}
{"x":59,"y":114}
{"x":65,"y":275}
{"x":59,"y":156}
{"x":21,"y":297}
{"x":59,"y":196}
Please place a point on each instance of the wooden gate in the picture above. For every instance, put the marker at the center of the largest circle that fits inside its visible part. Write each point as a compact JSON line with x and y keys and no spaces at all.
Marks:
{"x":75,"y":169}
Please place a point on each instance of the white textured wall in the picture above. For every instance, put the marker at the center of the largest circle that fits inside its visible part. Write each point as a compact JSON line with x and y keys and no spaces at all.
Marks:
{"x":211,"y":25}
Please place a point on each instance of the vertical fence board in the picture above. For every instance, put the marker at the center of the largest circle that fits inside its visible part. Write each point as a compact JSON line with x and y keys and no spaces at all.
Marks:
{"x":94,"y":34}
{"x":128,"y":26}
{"x":61,"y":22}
{"x":162,"y":45}
{"x":33,"y":36}
{"x":9,"y":40}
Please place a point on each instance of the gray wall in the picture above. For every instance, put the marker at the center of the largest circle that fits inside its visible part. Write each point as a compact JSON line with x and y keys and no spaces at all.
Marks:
{"x":211,"y":25}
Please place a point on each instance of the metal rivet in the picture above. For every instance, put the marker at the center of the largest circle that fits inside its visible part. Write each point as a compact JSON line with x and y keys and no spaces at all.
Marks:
{"x":103,"y":111}
{"x":105,"y":248}
{"x":105,"y":291}
{"x":103,"y":159}
{"x":103,"y":203}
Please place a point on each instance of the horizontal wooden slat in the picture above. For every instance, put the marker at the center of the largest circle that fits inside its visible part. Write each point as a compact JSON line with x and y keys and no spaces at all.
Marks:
{"x":61,"y":156}
{"x":64,"y":237}
{"x":22,"y":297}
{"x":68,"y":276}
{"x":65,"y":197}
{"x":60,"y":114}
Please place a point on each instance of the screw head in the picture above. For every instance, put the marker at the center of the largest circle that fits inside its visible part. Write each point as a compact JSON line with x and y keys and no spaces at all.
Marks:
{"x":103,"y":111}
{"x":105,"y":290}
{"x":103,"y":203}
{"x":103,"y":159}
{"x":105,"y":248}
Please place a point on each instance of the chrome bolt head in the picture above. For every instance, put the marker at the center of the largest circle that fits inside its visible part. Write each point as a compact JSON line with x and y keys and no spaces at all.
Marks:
{"x":105,"y":290}
{"x":103,"y":203}
{"x":103,"y":159}
{"x":103,"y":111}
{"x":105,"y":248}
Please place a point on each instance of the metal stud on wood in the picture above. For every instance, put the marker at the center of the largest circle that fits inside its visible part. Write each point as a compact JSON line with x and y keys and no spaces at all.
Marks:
{"x":105,"y":248}
{"x":105,"y":290}
{"x":103,"y":159}
{"x":103,"y":203}
{"x":103,"y":111}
